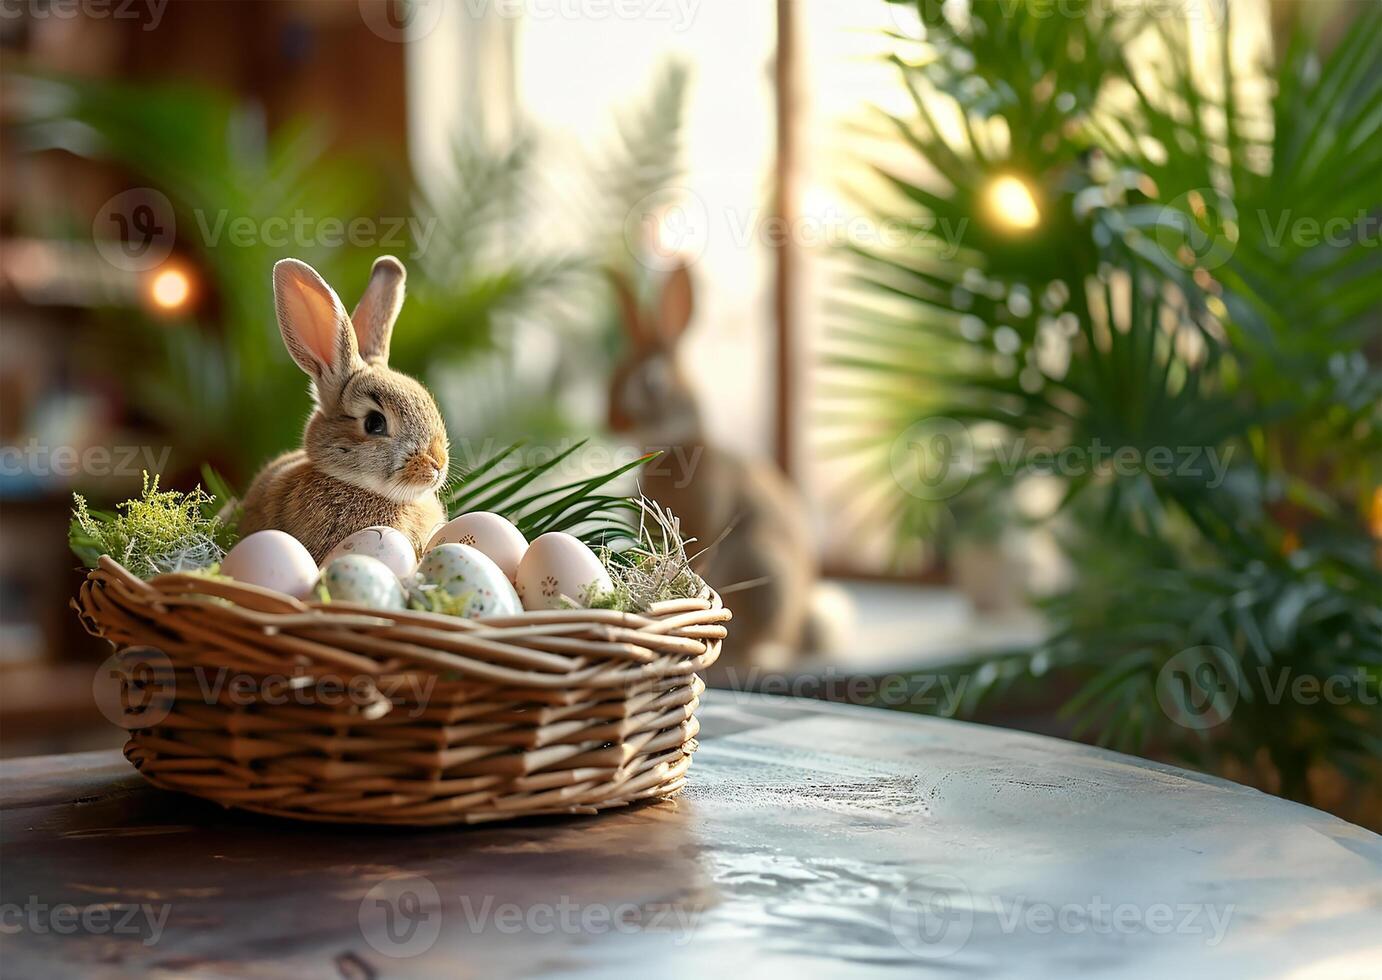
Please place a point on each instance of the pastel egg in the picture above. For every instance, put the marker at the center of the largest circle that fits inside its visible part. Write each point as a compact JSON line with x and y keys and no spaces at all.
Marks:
{"x":465,"y":571}
{"x":272,"y":559}
{"x":492,"y":534}
{"x":387,"y":544}
{"x":558,"y":569}
{"x":364,"y":580}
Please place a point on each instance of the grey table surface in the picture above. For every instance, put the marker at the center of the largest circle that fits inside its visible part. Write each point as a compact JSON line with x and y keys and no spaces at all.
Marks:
{"x":813,"y":839}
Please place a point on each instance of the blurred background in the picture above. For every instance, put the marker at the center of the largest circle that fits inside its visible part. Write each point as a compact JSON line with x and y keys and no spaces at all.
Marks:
{"x":1061,"y":321}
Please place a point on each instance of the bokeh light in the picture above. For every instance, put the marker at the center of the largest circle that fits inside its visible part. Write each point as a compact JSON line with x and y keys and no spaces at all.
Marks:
{"x":170,"y":289}
{"x":1011,"y":203}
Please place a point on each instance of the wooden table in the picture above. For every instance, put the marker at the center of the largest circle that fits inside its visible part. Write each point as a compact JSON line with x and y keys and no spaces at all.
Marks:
{"x":813,"y":838}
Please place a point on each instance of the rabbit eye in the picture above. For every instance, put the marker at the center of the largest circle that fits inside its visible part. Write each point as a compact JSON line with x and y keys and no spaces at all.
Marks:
{"x":376,"y":424}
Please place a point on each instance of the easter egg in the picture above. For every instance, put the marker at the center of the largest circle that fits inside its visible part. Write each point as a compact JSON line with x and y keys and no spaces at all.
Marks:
{"x":364,"y":580}
{"x":272,"y":559}
{"x":386,"y":544}
{"x":556,"y":569}
{"x":464,"y":572}
{"x":495,"y":536}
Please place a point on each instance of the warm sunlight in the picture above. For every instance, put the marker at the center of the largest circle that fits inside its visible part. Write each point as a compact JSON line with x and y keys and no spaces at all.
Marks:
{"x":1011,"y":204}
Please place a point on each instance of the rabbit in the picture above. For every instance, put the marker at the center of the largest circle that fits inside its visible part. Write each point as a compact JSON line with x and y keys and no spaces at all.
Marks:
{"x":749,"y":517}
{"x":375,"y":449}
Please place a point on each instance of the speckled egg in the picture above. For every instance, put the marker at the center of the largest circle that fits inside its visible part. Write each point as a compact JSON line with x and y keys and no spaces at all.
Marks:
{"x":558,"y":568}
{"x":272,"y":559}
{"x":364,"y":580}
{"x":387,"y":544}
{"x":466,"y":571}
{"x":495,"y":536}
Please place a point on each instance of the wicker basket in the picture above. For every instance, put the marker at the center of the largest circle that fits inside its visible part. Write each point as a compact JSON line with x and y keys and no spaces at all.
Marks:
{"x":343,"y":713}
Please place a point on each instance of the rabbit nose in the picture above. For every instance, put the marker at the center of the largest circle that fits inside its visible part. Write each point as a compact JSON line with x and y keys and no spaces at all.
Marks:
{"x":425,"y":467}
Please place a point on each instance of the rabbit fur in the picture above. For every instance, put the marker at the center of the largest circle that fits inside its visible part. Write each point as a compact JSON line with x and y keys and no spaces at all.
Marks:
{"x":374,"y":449}
{"x":751,"y":518}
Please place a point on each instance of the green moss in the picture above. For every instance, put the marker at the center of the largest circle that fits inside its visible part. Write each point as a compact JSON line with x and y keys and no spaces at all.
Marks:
{"x":435,"y":599}
{"x":161,"y":531}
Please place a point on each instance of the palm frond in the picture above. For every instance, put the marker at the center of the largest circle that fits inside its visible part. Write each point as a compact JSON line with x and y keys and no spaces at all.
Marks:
{"x":524,"y":493}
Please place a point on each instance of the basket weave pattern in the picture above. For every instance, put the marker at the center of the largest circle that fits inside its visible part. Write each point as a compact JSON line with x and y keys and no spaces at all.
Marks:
{"x":351,"y":714}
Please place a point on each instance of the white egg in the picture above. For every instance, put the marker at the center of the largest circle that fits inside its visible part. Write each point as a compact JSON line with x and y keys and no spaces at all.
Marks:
{"x":558,"y":568}
{"x":387,"y":544}
{"x":274,"y":560}
{"x":494,"y":535}
{"x":362,"y":579}
{"x":466,"y":571}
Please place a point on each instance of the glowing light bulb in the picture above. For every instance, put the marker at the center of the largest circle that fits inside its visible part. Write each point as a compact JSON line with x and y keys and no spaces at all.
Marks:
{"x":170,"y":289}
{"x":1012,"y":204}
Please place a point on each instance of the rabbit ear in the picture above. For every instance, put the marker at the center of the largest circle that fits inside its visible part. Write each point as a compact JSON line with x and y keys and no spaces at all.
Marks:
{"x":378,"y":308}
{"x":676,"y":305}
{"x":627,"y":301}
{"x":315,"y":327}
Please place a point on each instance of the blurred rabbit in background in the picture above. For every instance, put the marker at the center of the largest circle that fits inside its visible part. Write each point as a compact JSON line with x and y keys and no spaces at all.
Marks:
{"x":750,"y":518}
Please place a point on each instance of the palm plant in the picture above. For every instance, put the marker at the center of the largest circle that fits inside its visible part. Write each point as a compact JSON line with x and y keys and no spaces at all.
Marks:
{"x":223,"y":387}
{"x":216,"y":163}
{"x":1134,"y":275}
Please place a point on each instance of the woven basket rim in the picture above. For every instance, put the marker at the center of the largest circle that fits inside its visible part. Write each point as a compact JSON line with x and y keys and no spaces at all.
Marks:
{"x":560,"y":645}
{"x":558,"y":711}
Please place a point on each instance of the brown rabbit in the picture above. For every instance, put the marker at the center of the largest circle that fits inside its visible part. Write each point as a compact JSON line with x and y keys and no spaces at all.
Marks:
{"x":749,"y":508}
{"x":375,"y":448}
